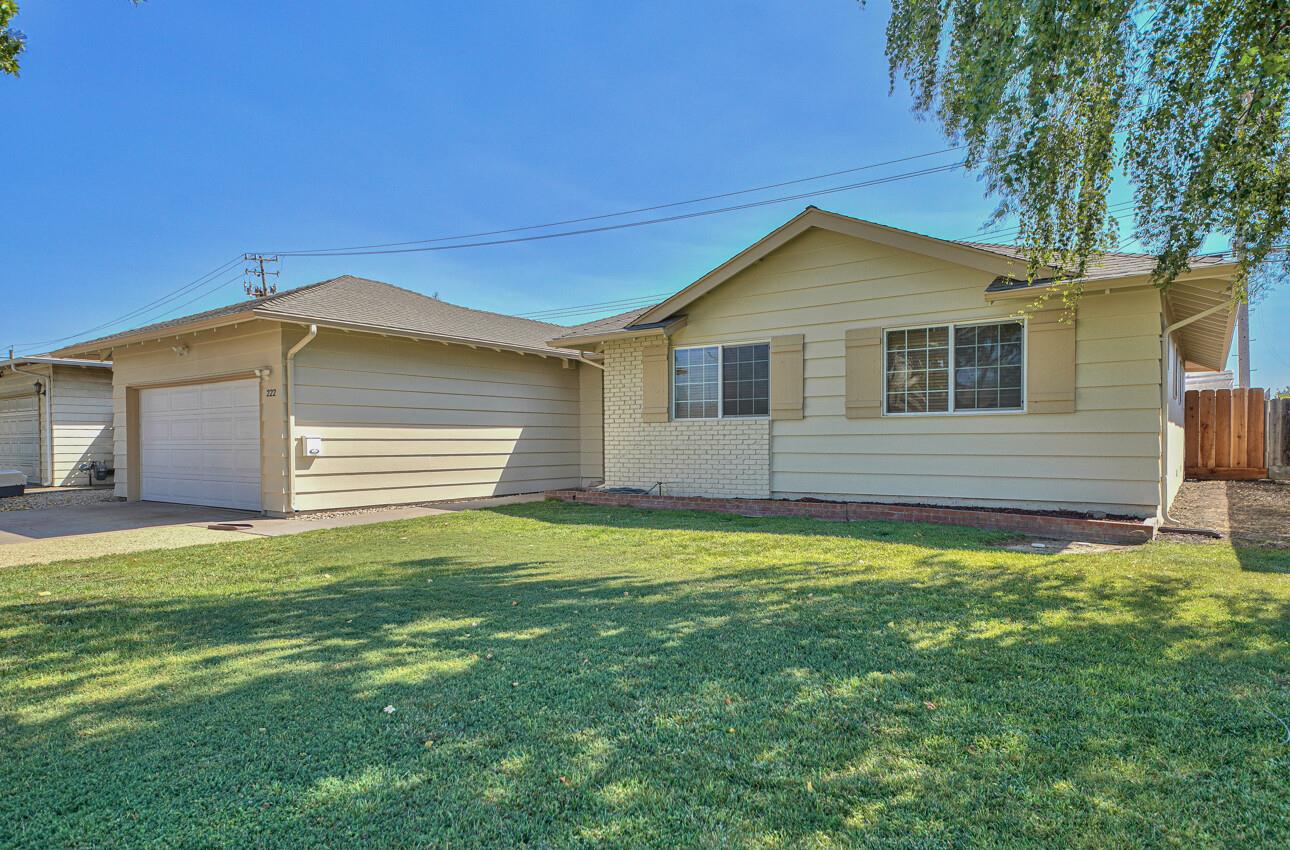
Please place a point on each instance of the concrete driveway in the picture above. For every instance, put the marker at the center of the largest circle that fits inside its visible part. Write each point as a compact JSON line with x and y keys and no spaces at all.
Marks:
{"x":44,"y":535}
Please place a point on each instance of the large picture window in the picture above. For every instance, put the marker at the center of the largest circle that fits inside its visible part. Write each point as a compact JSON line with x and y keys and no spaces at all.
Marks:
{"x":955,"y":368}
{"x":718,"y":381}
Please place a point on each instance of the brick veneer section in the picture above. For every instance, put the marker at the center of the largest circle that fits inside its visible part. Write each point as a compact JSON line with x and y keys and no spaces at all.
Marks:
{"x":716,"y":458}
{"x":1090,"y":530}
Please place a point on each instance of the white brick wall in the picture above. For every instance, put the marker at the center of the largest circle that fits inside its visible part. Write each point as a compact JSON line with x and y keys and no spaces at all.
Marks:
{"x":726,"y":458}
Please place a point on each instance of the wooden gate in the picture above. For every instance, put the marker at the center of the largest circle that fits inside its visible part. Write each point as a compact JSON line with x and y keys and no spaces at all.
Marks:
{"x":1224,"y":434}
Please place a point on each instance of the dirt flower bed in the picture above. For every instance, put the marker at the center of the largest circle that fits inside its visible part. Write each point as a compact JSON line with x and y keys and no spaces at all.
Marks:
{"x":1250,"y":513}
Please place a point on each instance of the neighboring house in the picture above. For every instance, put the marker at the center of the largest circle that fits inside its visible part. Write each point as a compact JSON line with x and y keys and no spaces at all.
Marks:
{"x":840,"y":359}
{"x":55,"y":417}
{"x":345,"y":393}
{"x":1210,"y":381}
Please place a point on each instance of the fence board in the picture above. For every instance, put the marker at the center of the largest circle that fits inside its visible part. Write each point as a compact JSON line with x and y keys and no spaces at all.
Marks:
{"x":1222,"y":429}
{"x":1237,"y":429}
{"x":1207,"y":417}
{"x":1254,"y":448}
{"x":1277,"y":437}
{"x":1224,"y":435}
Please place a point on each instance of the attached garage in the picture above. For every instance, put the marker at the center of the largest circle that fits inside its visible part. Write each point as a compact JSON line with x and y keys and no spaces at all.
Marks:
{"x":344,"y":394}
{"x":200,"y":444}
{"x":55,"y":418}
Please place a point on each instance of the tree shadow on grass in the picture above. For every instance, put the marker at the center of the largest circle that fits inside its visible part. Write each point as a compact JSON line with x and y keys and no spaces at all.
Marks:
{"x":844,"y":687}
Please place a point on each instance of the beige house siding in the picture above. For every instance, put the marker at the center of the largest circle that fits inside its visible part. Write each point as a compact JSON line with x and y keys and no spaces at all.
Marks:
{"x":591,"y":426}
{"x":224,"y":353}
{"x":81,"y":409}
{"x":1104,"y":456}
{"x":724,"y":458}
{"x":406,"y":421}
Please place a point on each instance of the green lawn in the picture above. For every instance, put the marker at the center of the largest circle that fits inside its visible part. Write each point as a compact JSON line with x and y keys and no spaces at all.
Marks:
{"x":569,"y":676}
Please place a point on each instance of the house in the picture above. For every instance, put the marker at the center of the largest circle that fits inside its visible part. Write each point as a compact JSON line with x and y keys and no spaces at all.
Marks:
{"x":346,"y":393}
{"x":55,"y":418}
{"x":840,"y":359}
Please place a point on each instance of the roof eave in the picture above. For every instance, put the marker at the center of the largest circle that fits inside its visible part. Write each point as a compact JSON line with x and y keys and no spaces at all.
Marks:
{"x":134,"y":338}
{"x":1223,"y":271}
{"x":390,"y":330}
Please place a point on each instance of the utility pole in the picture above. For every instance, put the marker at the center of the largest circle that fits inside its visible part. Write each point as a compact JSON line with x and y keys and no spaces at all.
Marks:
{"x":257,"y":269}
{"x":1243,"y":345}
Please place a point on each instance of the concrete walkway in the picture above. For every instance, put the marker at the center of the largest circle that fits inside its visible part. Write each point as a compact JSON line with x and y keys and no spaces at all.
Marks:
{"x":42,"y":536}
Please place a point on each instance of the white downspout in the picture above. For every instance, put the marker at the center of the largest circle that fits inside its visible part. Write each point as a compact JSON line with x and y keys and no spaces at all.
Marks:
{"x":45,"y":427}
{"x":1164,"y":404}
{"x":291,"y":414}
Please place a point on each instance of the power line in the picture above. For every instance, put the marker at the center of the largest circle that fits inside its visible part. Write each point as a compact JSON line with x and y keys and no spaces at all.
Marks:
{"x":680,"y":217}
{"x":627,"y":304}
{"x":178,"y":307}
{"x":654,"y":208}
{"x":179,"y":292}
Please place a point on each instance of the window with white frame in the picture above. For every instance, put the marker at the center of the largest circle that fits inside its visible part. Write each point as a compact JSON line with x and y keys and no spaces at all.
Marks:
{"x":717,"y":381}
{"x":959,"y":368}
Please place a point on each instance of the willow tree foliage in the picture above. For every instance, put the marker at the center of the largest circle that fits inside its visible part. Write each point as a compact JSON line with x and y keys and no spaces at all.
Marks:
{"x":1053,"y":98}
{"x":11,"y":41}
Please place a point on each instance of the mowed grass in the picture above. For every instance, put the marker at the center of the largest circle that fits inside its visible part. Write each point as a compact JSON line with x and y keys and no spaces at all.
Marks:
{"x":568,"y":676}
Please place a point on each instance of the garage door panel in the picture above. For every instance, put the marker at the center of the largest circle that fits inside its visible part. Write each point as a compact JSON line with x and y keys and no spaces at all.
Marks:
{"x":20,"y":435}
{"x":200,"y":444}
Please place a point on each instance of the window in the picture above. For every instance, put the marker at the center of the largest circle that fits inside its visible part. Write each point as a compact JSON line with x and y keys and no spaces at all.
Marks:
{"x":987,"y":368}
{"x":918,"y":370}
{"x":721,"y":381}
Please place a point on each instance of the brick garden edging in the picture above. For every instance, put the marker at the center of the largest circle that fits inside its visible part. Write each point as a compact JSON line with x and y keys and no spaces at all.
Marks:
{"x":1039,"y":525}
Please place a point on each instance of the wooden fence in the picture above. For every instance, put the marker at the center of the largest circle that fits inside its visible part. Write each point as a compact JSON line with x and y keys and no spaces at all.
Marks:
{"x":1277,"y":435}
{"x":1225,"y":434}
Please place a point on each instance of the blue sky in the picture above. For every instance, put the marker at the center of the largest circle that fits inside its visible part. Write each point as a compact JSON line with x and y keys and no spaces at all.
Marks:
{"x":147,"y":145}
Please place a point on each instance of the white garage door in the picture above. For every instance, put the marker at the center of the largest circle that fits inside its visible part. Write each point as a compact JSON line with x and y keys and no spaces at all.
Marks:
{"x":20,"y":435}
{"x":200,"y":444}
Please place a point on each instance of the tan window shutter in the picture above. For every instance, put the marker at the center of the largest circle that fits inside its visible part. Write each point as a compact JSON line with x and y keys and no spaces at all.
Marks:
{"x":786,"y":376}
{"x":1050,"y":363}
{"x":654,"y":381}
{"x":864,"y":373}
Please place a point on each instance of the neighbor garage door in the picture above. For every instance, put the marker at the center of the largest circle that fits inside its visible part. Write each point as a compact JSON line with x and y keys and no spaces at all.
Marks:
{"x":200,"y":444}
{"x":20,"y":435}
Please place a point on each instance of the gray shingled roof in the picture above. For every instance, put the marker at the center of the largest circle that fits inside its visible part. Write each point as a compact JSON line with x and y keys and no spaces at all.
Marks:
{"x":371,"y":304}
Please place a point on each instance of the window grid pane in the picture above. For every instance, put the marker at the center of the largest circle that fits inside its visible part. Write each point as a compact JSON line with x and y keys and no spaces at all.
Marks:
{"x":694,"y":382}
{"x":988,"y":367}
{"x":745,"y":380}
{"x":918,"y":370}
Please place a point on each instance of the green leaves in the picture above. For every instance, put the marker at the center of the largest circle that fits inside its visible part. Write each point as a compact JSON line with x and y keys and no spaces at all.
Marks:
{"x":12,"y":41}
{"x":1056,"y":99}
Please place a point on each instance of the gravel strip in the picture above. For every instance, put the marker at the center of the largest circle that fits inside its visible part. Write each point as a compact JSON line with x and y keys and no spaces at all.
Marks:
{"x":54,"y":499}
